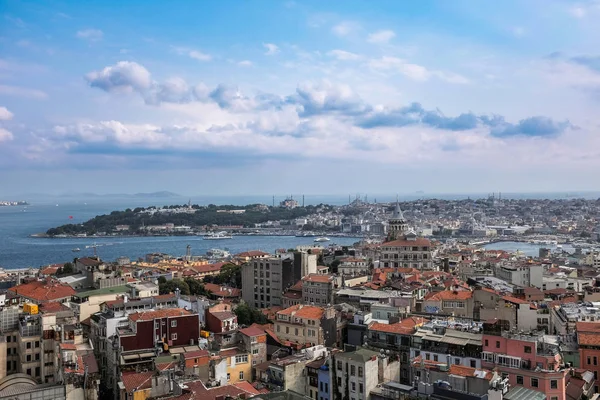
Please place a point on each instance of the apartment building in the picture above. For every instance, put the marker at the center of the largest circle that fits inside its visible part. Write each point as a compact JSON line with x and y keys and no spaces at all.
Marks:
{"x":588,"y":339}
{"x":408,"y":251}
{"x":264,"y":280}
{"x":353,"y":266}
{"x":520,"y":273}
{"x":300,"y":324}
{"x":318,"y":289}
{"x":531,"y":360}
{"x":458,"y":303}
{"x":45,"y":291}
{"x":448,"y":346}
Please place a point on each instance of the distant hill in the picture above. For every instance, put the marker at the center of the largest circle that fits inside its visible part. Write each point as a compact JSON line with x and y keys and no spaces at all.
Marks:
{"x":157,"y":195}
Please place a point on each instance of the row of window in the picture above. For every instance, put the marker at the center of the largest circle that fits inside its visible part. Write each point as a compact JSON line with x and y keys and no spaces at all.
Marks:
{"x":352,"y":369}
{"x":535,"y":382}
{"x":173,"y":323}
{"x":406,"y":256}
{"x":173,"y":337}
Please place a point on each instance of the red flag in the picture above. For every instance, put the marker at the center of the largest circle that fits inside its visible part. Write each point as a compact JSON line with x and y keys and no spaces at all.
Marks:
{"x":70,"y":217}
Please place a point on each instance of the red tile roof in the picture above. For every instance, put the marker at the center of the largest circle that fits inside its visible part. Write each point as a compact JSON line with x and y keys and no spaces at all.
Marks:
{"x":222,"y":291}
{"x":406,"y":326}
{"x":302,"y":311}
{"x":461,"y":370}
{"x":252,"y":331}
{"x":164,"y":313}
{"x":53,"y":307}
{"x":134,"y":381}
{"x":405,"y":242}
{"x":588,"y":333}
{"x":318,"y":278}
{"x":511,"y":299}
{"x":449,"y":295}
{"x":208,"y":268}
{"x":51,"y":269}
{"x":43,"y":291}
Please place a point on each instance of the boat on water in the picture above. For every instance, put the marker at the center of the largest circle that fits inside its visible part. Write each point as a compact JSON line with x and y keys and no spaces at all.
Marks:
{"x":76,"y":249}
{"x":322,"y":239}
{"x":306,"y":234}
{"x":217,"y":236}
{"x":218,"y":253}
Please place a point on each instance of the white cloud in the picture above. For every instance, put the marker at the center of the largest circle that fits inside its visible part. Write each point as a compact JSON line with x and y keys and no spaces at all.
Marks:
{"x":245,"y":63}
{"x":5,"y":115}
{"x":192,"y":53}
{"x":344,"y":55}
{"x":578,"y":12}
{"x":5,"y":135}
{"x":382,"y":36}
{"x":18,"y":91}
{"x":582,"y":10}
{"x":345,"y":28}
{"x":124,"y":75}
{"x":271,"y":49}
{"x":93,"y":35}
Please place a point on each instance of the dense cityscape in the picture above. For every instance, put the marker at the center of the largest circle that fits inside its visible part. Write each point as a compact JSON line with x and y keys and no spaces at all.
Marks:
{"x":416,"y":308}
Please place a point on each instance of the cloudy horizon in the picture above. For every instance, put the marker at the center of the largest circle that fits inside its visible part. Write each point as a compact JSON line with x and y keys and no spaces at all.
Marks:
{"x":229,"y":98}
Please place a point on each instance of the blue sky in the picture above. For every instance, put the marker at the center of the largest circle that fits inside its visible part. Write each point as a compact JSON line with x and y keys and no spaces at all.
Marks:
{"x":261,"y":97}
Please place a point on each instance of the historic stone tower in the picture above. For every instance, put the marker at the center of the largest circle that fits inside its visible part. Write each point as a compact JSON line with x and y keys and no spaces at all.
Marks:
{"x":397,"y":224}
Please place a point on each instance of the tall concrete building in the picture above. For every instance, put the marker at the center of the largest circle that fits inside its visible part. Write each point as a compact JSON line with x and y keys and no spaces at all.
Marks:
{"x":265,"y":280}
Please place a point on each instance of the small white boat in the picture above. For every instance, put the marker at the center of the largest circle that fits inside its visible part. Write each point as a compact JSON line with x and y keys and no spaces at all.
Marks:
{"x":322,"y":239}
{"x":76,"y":249}
{"x":217,"y":236}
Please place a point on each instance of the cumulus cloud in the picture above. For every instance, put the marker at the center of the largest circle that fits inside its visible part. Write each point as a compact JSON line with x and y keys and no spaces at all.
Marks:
{"x":344,"y":55}
{"x":5,"y":115}
{"x":92,"y":35}
{"x":5,"y":135}
{"x":124,"y":75}
{"x":382,"y":36}
{"x":415,"y":114}
{"x":327,"y":97}
{"x":271,"y":49}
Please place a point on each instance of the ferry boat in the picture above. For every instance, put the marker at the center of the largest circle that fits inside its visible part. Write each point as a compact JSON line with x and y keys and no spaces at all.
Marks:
{"x":217,"y":236}
{"x":322,"y":239}
{"x":218,"y":253}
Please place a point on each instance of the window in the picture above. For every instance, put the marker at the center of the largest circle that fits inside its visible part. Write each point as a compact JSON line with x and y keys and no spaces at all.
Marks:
{"x":457,"y":361}
{"x":352,"y":370}
{"x":497,"y":344}
{"x":534,"y":382}
{"x":589,"y":360}
{"x":519,"y":379}
{"x":427,"y":356}
{"x":37,"y":356}
{"x":554,"y":398}
{"x":360,"y":372}
{"x":29,"y":346}
{"x":326,"y":387}
{"x":360,"y":387}
{"x":353,"y":386}
{"x":228,"y":376}
{"x":486,"y":342}
{"x":321,"y":386}
{"x":287,"y":329}
{"x":339,"y":365}
{"x":173,"y":336}
{"x":156,"y":325}
{"x":28,"y":357}
{"x":241,"y":375}
{"x":435,"y":357}
{"x":174,"y":323}
{"x":254,"y":351}
{"x":595,"y":360}
{"x":241,"y":359}
{"x":553,"y":384}
{"x":8,"y":339}
{"x":527,"y":349}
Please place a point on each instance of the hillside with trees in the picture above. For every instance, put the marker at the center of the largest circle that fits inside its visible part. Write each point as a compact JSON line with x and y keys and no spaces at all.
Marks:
{"x":202,"y":216}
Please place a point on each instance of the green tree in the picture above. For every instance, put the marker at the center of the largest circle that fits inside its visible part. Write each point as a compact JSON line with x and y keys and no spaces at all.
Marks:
{"x":334,"y":266}
{"x":68,"y":268}
{"x":162,"y":279}
{"x":170,"y":286}
{"x":196,"y":287}
{"x":231,"y":274}
{"x":247,"y":315}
